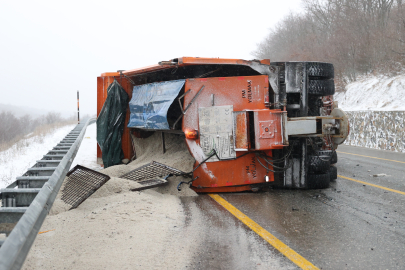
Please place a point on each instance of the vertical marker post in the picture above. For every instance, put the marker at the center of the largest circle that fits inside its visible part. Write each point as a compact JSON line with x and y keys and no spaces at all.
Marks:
{"x":78,"y":114}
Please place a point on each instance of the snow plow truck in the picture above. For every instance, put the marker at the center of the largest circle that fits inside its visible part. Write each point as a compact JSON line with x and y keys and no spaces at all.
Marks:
{"x":248,"y":124}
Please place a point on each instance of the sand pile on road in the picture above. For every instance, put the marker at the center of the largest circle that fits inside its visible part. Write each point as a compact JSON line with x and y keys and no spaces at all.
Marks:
{"x":147,"y":150}
{"x":176,"y":156}
{"x":116,"y":228}
{"x":123,"y":230}
{"x":150,"y":149}
{"x":113,"y":186}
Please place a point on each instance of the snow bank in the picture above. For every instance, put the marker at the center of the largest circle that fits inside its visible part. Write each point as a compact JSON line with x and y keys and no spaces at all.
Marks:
{"x":16,"y":160}
{"x":378,"y":93}
{"x":377,"y":129}
{"x":375,"y":106}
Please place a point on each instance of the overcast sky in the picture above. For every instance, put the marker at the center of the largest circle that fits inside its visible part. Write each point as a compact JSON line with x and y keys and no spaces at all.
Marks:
{"x":51,"y":49}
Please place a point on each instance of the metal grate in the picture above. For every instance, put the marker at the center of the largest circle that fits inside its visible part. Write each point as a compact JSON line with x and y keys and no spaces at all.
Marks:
{"x":151,"y":183}
{"x":81,"y":183}
{"x":151,"y":171}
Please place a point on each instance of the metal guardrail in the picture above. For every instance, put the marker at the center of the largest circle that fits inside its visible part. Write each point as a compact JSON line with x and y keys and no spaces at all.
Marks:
{"x":15,"y":248}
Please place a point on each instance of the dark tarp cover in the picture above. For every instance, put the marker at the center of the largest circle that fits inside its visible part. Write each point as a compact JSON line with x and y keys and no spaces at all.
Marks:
{"x":110,"y":125}
{"x":150,"y":103}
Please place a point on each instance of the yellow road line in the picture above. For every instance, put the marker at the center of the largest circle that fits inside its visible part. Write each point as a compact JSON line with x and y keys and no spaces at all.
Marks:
{"x":280,"y":246}
{"x":371,"y":157}
{"x":369,"y":184}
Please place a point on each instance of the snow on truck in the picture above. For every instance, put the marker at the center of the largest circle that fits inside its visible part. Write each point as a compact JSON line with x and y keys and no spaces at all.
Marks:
{"x":248,"y":124}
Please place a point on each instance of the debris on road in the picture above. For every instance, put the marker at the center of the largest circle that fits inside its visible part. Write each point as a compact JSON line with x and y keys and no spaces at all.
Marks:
{"x":150,"y":175}
{"x":80,"y":184}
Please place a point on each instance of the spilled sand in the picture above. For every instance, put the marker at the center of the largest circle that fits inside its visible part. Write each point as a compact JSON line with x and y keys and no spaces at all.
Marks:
{"x":117,"y":228}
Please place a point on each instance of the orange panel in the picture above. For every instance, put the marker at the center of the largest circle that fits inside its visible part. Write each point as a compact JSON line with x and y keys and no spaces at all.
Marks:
{"x":110,"y":74}
{"x":268,"y":129}
{"x":241,"y":132}
{"x":226,"y":173}
{"x":222,"y":189}
{"x":243,"y":93}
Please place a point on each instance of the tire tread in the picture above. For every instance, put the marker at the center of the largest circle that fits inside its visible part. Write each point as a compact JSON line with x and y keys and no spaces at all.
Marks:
{"x":318,"y":181}
{"x":323,"y":70}
{"x":321,"y":87}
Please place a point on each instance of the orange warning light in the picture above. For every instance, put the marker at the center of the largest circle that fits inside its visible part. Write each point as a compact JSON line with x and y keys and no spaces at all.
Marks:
{"x":191,"y":134}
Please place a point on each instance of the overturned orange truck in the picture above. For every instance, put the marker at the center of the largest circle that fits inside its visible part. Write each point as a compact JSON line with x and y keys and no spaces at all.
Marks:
{"x":248,"y":124}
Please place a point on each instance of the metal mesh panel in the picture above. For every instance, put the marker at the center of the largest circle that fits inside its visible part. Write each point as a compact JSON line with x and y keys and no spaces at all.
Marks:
{"x":150,"y":171}
{"x":151,"y":183}
{"x":81,"y":183}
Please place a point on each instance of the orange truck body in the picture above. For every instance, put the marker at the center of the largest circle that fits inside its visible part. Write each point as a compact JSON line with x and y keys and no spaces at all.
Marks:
{"x":252,"y":114}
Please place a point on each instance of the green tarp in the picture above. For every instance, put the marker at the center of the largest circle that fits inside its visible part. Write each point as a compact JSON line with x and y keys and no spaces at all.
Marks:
{"x":110,"y":124}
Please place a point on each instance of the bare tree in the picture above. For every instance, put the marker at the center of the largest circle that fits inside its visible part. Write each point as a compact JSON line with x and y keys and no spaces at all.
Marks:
{"x":357,"y":36}
{"x":52,"y":117}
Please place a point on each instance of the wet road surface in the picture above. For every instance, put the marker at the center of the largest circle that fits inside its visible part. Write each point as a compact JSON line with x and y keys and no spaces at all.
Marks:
{"x":347,"y":226}
{"x":223,"y":242}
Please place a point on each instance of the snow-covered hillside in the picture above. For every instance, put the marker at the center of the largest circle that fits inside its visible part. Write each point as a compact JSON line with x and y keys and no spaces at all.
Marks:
{"x":378,"y":93}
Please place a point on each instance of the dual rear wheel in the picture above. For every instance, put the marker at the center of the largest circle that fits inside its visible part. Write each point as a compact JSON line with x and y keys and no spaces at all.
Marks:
{"x":321,"y":169}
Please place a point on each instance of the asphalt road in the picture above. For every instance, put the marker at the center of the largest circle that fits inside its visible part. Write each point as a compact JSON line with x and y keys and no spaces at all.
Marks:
{"x":351,"y":225}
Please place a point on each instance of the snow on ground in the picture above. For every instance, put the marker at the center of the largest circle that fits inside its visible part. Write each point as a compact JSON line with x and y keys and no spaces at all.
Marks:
{"x":377,"y":93}
{"x":16,"y":160}
{"x":87,"y":154}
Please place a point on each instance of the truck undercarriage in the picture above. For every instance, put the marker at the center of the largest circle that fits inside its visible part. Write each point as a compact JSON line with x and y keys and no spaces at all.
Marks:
{"x":248,"y":124}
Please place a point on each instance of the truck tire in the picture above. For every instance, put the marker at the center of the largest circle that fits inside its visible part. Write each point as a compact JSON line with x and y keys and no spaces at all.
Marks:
{"x":313,"y":111}
{"x":314,"y":105}
{"x":334,"y":158}
{"x":318,"y":164}
{"x":333,"y":173}
{"x":317,"y":181}
{"x":327,"y":155}
{"x":320,"y":70}
{"x":321,"y":87}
